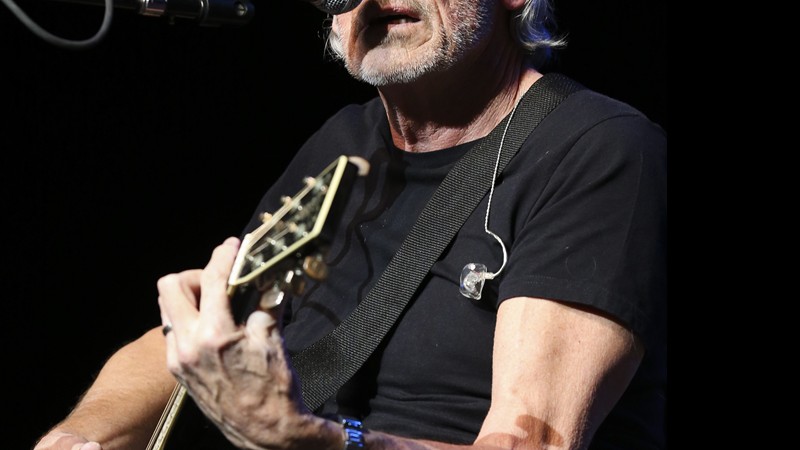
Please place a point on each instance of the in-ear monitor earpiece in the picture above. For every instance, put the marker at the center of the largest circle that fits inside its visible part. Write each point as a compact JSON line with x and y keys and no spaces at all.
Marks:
{"x":472,"y":277}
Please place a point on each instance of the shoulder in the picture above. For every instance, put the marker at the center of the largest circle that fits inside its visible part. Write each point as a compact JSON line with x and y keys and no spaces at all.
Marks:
{"x":598,"y":130}
{"x":351,"y":130}
{"x":588,"y":111}
{"x":366,"y":115}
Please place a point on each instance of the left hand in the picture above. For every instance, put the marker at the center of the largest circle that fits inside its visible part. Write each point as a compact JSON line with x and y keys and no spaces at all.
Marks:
{"x":239,"y":376}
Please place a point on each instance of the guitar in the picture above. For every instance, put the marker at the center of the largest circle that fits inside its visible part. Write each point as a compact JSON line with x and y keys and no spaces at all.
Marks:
{"x":274,"y":258}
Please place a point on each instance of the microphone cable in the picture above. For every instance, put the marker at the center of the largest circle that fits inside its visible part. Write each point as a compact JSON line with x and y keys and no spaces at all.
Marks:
{"x":59,"y":41}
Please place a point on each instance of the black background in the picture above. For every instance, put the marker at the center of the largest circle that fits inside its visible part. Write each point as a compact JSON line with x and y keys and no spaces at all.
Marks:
{"x":133,"y":159}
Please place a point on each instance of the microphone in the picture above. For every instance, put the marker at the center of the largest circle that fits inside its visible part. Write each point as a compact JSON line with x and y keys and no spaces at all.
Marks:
{"x":206,"y":12}
{"x":335,"y":6}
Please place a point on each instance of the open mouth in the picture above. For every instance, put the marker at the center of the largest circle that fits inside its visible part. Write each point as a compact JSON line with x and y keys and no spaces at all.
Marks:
{"x":388,"y":16}
{"x":393,"y":19}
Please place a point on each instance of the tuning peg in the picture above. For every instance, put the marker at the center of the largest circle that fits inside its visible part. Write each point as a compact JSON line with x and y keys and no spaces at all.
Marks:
{"x":315,"y":267}
{"x":297,"y":282}
{"x":271,"y":298}
{"x":316,"y":184}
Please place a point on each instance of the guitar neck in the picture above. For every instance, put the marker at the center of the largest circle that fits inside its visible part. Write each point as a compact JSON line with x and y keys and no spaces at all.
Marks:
{"x":167,"y":420}
{"x":176,"y":402}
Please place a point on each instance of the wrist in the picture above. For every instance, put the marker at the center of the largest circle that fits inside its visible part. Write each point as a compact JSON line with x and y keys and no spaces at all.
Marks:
{"x":352,"y":432}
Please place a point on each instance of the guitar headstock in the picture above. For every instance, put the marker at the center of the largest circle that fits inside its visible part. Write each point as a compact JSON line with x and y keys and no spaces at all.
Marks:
{"x":277,"y":254}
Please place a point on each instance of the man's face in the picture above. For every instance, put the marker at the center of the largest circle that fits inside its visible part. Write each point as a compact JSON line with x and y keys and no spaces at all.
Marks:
{"x":398,"y":41}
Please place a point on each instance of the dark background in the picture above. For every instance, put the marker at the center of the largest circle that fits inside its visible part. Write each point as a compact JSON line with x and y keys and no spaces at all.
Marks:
{"x":133,"y":159}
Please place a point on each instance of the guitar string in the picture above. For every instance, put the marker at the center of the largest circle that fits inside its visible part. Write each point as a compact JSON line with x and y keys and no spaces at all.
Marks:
{"x":281,"y":213}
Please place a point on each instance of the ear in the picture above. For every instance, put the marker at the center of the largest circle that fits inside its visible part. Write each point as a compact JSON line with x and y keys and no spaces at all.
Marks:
{"x":513,"y":5}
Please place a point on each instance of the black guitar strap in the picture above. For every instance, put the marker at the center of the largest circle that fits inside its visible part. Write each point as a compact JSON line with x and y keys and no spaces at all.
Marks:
{"x":326,"y":365}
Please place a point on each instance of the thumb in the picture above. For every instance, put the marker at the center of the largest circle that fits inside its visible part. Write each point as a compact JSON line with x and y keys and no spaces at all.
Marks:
{"x":261,"y":325}
{"x":89,"y":446}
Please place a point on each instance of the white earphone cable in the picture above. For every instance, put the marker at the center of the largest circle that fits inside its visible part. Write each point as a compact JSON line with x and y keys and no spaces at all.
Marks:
{"x":490,"y":275}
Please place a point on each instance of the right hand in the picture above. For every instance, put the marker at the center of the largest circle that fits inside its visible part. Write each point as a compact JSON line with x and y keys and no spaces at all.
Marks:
{"x":59,"y":440}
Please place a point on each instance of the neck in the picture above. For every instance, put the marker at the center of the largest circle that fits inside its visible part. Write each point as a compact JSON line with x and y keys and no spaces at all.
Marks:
{"x":432,"y":114}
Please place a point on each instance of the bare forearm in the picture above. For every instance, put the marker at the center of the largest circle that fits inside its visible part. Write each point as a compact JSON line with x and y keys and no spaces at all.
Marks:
{"x":121,"y":408}
{"x":382,"y":441}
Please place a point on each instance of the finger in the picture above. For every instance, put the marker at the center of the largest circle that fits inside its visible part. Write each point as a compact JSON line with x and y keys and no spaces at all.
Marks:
{"x":214,"y":281}
{"x":260,"y":325}
{"x":178,"y":298}
{"x":61,"y":439}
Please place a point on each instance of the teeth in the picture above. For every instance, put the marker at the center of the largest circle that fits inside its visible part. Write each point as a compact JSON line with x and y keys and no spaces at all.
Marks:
{"x":397,"y":19}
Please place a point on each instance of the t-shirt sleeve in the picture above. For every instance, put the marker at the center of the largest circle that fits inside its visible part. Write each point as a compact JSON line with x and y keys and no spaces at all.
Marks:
{"x":596,"y":236}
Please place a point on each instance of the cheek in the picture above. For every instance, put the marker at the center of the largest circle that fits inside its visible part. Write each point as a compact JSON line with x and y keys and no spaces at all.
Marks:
{"x":341,"y":25}
{"x":343,"y":28}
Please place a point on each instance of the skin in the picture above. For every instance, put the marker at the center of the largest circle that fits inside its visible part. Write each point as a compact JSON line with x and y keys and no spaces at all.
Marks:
{"x":431,"y":112}
{"x":558,"y":370}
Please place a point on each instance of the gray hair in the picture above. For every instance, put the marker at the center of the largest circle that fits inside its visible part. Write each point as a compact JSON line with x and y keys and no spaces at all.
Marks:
{"x":532,"y":27}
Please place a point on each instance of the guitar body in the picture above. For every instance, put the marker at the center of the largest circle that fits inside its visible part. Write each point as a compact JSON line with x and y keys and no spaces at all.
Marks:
{"x":272,"y":259}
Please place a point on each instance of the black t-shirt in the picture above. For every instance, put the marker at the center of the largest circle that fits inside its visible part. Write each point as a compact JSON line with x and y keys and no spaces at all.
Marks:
{"x":582,"y":211}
